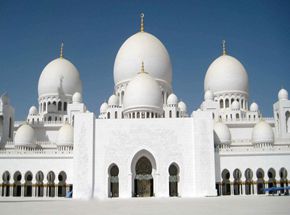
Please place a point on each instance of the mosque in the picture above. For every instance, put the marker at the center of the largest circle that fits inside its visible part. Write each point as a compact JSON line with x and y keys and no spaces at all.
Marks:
{"x":144,"y":142}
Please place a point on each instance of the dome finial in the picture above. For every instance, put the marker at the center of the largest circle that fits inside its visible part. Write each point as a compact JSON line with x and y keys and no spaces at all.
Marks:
{"x":142,"y":68}
{"x":224,"y":47}
{"x":61,"y":50}
{"x":142,"y":22}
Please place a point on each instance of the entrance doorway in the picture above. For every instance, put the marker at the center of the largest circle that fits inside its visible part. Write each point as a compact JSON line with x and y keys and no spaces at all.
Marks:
{"x":143,"y":181}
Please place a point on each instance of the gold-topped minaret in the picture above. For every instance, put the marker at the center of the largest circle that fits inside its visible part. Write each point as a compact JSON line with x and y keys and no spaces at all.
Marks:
{"x":61,"y":50}
{"x":224,"y":47}
{"x":142,"y":22}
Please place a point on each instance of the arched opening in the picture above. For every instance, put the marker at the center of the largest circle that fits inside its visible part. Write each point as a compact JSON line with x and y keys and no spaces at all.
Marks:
{"x":64,"y":106}
{"x":283,"y":179}
{"x":44,"y":106}
{"x":108,"y":115}
{"x":170,"y":114}
{"x":287,"y":115}
{"x":143,"y":182}
{"x":61,"y":184}
{"x":260,"y":181}
{"x":227,"y":103}
{"x":10,"y":128}
{"x":39,"y":184}
{"x":221,"y":103}
{"x":173,"y":179}
{"x":226,"y":184}
{"x":50,"y":192}
{"x":113,"y":181}
{"x":237,"y":181}
{"x":237,"y":116}
{"x":59,"y":106}
{"x":116,"y":115}
{"x":28,"y":184}
{"x":6,"y":184}
{"x":272,"y":180}
{"x":249,"y":181}
{"x":49,"y":118}
{"x":17,"y":184}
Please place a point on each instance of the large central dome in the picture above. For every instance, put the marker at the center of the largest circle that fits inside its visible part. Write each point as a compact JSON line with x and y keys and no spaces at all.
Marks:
{"x":140,"y":47}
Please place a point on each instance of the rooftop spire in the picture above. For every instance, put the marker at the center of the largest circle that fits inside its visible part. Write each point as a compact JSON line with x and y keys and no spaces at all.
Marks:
{"x":142,"y":22}
{"x":142,"y":68}
{"x":61,"y":50}
{"x":224,"y":47}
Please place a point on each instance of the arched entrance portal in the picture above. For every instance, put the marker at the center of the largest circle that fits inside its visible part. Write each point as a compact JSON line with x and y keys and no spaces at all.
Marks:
{"x":143,"y":181}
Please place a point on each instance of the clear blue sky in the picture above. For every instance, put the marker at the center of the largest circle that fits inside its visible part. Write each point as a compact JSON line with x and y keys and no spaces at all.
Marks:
{"x":257,"y":33}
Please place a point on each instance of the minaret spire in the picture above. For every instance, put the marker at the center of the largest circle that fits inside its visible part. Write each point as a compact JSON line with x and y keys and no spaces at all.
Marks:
{"x":142,"y":22}
{"x":61,"y":50}
{"x":224,"y":47}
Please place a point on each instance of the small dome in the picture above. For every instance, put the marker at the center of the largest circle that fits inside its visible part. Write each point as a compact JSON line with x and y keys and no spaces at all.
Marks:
{"x":25,"y":136}
{"x":65,"y":135}
{"x":283,"y":95}
{"x":143,"y":93}
{"x":222,"y":134}
{"x":172,"y":99}
{"x":226,"y":74}
{"x":104,"y":107}
{"x":77,"y":98}
{"x":144,"y":47}
{"x":262,"y":133}
{"x":59,"y":77}
{"x":33,"y":110}
{"x":254,"y":107}
{"x":182,"y":106}
{"x":113,"y":100}
{"x":235,"y":105}
{"x":208,"y":95}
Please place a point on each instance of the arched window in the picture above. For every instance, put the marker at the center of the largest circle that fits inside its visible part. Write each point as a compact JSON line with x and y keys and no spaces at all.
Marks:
{"x":61,"y":184}
{"x":237,"y":116}
{"x":50,"y":190}
{"x":64,"y":106}
{"x":17,"y":184}
{"x":173,"y":179}
{"x":39,"y":184}
{"x":249,"y":181}
{"x":226,"y":185}
{"x":49,"y":118}
{"x":28,"y":184}
{"x":10,"y":128}
{"x":138,"y":115}
{"x":116,"y":115}
{"x":6,"y":184}
{"x":59,"y":106}
{"x":287,"y":114}
{"x":44,"y":106}
{"x":272,"y":180}
{"x":221,"y":103}
{"x":242,"y":103}
{"x":108,"y":115}
{"x":260,"y":181}
{"x":237,"y":181}
{"x":113,"y":181}
{"x":170,"y":114}
{"x":283,"y":179}
{"x":227,"y":103}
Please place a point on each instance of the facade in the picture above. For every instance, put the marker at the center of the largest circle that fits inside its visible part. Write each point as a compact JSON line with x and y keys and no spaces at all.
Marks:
{"x":143,"y":142}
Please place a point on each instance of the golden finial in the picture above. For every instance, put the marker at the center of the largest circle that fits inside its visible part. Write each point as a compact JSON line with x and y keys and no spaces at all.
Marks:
{"x":224,"y":48}
{"x":61,"y":50}
{"x":142,"y":68}
{"x":142,"y":22}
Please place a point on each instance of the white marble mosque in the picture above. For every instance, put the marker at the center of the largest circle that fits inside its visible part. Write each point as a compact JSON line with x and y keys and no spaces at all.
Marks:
{"x":144,"y":142}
